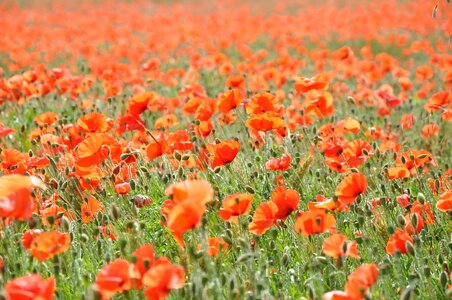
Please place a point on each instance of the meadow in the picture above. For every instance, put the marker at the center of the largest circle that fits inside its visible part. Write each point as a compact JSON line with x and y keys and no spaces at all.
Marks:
{"x":229,"y":149}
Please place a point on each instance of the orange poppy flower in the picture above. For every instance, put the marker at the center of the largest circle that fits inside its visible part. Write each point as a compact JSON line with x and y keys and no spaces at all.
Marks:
{"x":214,"y":245}
{"x":342,"y":53}
{"x":320,"y":104}
{"x":438,"y":101}
{"x":15,"y":196}
{"x":229,"y":100}
{"x":351,"y":187}
{"x":359,"y":282}
{"x":166,"y":121}
{"x":307,"y":84}
{"x":322,"y":202}
{"x":48,"y":244}
{"x":141,"y":102}
{"x":261,"y":103}
{"x":224,"y":152}
{"x":414,"y":159}
{"x":122,"y":188}
{"x":235,"y":205}
{"x":94,"y":123}
{"x":162,"y":278}
{"x":279,"y":164}
{"x":313,"y":222}
{"x":47,"y":118}
{"x":398,"y":241}
{"x":28,"y":236}
{"x":337,"y":245}
{"x":114,"y":278}
{"x":30,"y":287}
{"x":264,"y":122}
{"x":410,"y":227}
{"x":144,"y":258}
{"x":407,"y":121}
{"x":4,"y":131}
{"x":444,"y":203}
{"x":97,"y":147}
{"x":190,"y":198}
{"x":430,"y":130}
{"x":90,"y":209}
{"x":398,"y":172}
{"x":286,"y":200}
{"x":347,"y":125}
{"x":130,"y":122}
{"x":337,"y":295}
{"x":264,"y":217}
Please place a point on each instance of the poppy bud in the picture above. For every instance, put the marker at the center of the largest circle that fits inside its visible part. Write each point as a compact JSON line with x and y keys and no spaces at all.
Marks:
{"x":322,"y":260}
{"x":285,"y":260}
{"x":84,"y":238}
{"x":51,"y":220}
{"x":249,"y":189}
{"x":403,"y":159}
{"x":410,"y":248}
{"x":132,"y":184}
{"x":64,"y":224}
{"x":311,"y":292}
{"x":443,"y":279}
{"x":390,"y":229}
{"x":401,"y":220}
{"x":421,"y":156}
{"x":116,"y":170}
{"x":407,"y":293}
{"x":114,"y":212}
{"x":130,"y":225}
{"x":427,"y":271}
{"x":122,"y":245}
{"x":177,"y":155}
{"x":124,"y":156}
{"x":421,"y":198}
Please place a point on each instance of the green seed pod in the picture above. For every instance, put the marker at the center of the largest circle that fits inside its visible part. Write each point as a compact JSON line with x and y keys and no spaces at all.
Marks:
{"x":114,"y":212}
{"x":443,"y":279}
{"x":249,"y":189}
{"x":407,"y":294}
{"x":285,"y":260}
{"x":401,"y":220}
{"x":64,"y":224}
{"x":177,"y":155}
{"x":322,"y":260}
{"x":427,"y":271}
{"x":410,"y":248}
{"x":421,"y":198}
{"x":390,"y":229}
{"x":84,"y":238}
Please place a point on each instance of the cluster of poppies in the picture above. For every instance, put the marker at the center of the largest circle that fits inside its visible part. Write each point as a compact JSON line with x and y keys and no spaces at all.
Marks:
{"x":166,"y":144}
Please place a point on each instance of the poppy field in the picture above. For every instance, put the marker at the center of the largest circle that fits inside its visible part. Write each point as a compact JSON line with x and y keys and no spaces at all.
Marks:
{"x":231,"y":149}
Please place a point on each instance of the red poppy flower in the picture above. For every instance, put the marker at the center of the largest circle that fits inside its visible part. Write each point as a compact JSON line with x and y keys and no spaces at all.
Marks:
{"x":235,"y":205}
{"x":314,"y":222}
{"x":337,"y":245}
{"x":279,"y":164}
{"x":398,"y":241}
{"x":264,"y":217}
{"x":286,"y":200}
{"x":30,"y":287}
{"x":114,"y":278}
{"x":48,"y":244}
{"x":351,"y":187}
{"x":162,"y":278}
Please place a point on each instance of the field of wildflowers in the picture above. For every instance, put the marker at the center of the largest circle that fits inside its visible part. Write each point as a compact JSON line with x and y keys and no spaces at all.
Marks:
{"x":229,"y":149}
